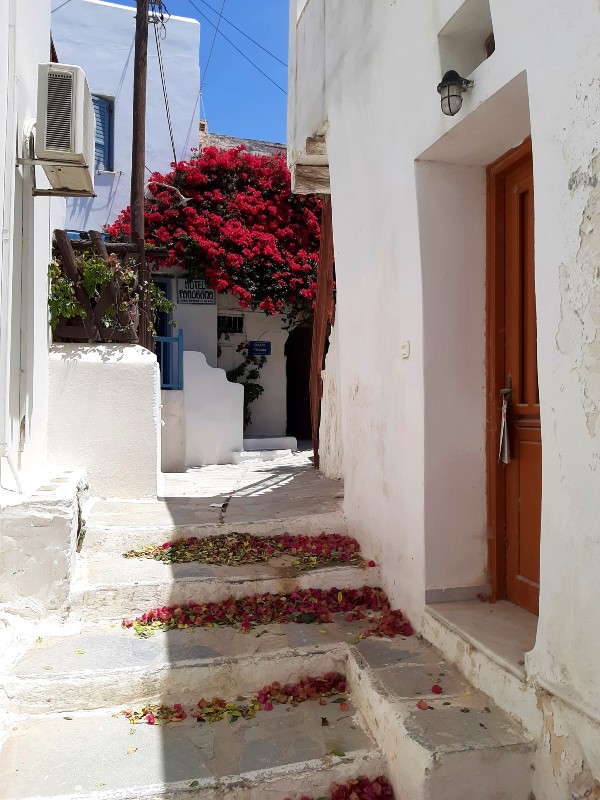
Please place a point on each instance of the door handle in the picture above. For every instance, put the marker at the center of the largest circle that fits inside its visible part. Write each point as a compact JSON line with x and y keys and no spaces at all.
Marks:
{"x":507,"y":391}
{"x":504,"y":445}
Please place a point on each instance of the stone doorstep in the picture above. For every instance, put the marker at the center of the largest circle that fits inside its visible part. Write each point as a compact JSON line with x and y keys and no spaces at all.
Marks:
{"x":132,"y":533}
{"x":136,"y":585}
{"x":243,"y":456}
{"x":95,"y":756}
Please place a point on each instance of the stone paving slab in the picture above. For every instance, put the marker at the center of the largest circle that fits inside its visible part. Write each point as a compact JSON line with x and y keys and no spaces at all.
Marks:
{"x":54,"y":756}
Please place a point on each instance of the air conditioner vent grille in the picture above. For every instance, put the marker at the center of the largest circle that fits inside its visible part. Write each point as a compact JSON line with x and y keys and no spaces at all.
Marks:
{"x":60,"y":102}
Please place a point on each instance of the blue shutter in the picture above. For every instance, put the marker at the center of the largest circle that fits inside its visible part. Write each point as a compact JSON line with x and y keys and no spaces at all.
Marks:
{"x":103,"y":113}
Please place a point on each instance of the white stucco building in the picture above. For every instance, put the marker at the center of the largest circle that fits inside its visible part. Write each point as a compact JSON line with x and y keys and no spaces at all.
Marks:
{"x":99,"y":36}
{"x":466,"y":263}
{"x":215,"y":326}
{"x":39,"y":505}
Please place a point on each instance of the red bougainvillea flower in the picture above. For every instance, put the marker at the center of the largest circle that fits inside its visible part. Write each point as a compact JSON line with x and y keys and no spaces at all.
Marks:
{"x":332,"y":684}
{"x":242,"y":229}
{"x":300,"y":606}
{"x":359,"y":789}
{"x":436,"y":689}
{"x":245,"y":548}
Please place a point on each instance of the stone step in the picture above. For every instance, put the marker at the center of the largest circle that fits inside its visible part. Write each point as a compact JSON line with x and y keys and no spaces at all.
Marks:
{"x":114,"y":587}
{"x":278,"y":753}
{"x":460,"y":746}
{"x":257,"y":454}
{"x":115,"y":533}
{"x":97,"y":666}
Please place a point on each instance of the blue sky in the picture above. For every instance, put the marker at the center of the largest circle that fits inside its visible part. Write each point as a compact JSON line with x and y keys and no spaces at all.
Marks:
{"x":237,"y":99}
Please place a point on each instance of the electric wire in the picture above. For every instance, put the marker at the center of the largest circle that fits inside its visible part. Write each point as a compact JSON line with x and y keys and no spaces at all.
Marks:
{"x":212,"y":45}
{"x":62,"y":5}
{"x":235,"y":47}
{"x":161,"y":67}
{"x":239,"y":30}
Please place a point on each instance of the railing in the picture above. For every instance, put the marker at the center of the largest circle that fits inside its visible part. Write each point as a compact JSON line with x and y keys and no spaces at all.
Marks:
{"x":171,"y":363}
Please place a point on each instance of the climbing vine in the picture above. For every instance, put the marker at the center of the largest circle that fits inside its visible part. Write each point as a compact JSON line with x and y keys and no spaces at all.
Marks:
{"x":247,"y":373}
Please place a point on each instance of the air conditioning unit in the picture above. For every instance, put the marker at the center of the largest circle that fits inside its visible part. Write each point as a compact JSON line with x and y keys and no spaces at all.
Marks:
{"x":66,"y":129}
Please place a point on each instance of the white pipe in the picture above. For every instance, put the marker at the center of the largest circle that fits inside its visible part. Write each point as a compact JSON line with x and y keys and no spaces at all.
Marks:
{"x":6,"y":255}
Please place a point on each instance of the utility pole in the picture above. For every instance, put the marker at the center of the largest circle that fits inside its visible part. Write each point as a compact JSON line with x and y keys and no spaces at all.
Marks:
{"x":138,"y":162}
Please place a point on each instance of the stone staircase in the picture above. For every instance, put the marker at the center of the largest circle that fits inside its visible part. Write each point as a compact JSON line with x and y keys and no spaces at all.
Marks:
{"x":66,"y":742}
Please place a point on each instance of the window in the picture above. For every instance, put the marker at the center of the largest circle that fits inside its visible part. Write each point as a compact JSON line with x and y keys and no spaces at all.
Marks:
{"x":104,"y":112}
{"x":228,"y":324}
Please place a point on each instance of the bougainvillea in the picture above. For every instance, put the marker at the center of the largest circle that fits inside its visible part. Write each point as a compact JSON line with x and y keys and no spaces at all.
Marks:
{"x":358,"y":789}
{"x":301,"y":606}
{"x":229,"y":549}
{"x":241,"y":229}
{"x":333,"y":684}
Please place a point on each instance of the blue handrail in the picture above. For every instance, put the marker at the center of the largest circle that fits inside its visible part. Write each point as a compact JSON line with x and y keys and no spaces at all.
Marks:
{"x":171,"y":369}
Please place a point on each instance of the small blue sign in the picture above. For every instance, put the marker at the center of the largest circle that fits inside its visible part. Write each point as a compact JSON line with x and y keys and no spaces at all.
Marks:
{"x":259,"y":348}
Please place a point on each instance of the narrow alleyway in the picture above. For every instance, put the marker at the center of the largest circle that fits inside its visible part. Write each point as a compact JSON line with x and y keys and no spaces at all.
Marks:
{"x":399,"y":708}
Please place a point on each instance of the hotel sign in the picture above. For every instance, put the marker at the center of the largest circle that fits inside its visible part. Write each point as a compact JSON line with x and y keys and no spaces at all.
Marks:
{"x":194,"y":292}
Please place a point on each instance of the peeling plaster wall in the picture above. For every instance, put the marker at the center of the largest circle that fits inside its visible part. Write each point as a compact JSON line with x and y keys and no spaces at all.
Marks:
{"x":345,"y":59}
{"x":331,"y":444}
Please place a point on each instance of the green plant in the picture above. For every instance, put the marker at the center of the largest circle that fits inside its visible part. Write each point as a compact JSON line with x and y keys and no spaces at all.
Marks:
{"x":247,"y":373}
{"x":159,"y":304}
{"x":96,"y":273}
{"x":61,"y":299}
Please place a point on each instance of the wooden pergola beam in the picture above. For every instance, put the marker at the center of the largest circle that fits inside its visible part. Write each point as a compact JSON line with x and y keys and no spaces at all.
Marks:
{"x":310,"y":179}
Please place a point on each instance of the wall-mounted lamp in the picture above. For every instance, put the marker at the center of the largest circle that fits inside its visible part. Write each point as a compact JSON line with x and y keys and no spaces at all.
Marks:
{"x":451,"y":90}
{"x":181,"y":202}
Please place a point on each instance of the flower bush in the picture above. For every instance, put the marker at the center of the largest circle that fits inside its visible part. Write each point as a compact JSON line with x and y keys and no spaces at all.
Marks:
{"x":242,"y":229}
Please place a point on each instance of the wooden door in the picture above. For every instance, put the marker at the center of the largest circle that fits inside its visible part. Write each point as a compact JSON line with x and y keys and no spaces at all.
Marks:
{"x":516,"y":517}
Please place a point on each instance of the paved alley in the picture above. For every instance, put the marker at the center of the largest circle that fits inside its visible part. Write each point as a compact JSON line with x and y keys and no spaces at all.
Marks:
{"x":404,"y":711}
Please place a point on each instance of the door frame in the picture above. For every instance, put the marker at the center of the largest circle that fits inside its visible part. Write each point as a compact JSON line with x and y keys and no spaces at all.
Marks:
{"x":495,"y":340}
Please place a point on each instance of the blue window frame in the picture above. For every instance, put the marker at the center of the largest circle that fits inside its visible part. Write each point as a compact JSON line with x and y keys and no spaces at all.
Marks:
{"x":104,"y":113}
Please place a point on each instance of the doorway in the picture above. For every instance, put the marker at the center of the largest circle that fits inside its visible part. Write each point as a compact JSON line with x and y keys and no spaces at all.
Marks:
{"x":515,"y":452}
{"x":297,"y":367}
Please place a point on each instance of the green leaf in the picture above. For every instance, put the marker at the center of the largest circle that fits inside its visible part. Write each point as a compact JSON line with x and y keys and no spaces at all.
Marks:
{"x":80,"y":652}
{"x":194,"y":784}
{"x":334,"y":752}
{"x":340,"y":700}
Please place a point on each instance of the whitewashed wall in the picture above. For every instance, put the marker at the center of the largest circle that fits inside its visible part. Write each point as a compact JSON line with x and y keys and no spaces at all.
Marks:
{"x":408,"y":211}
{"x":99,"y":36}
{"x":105,"y":415}
{"x":25,"y":248}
